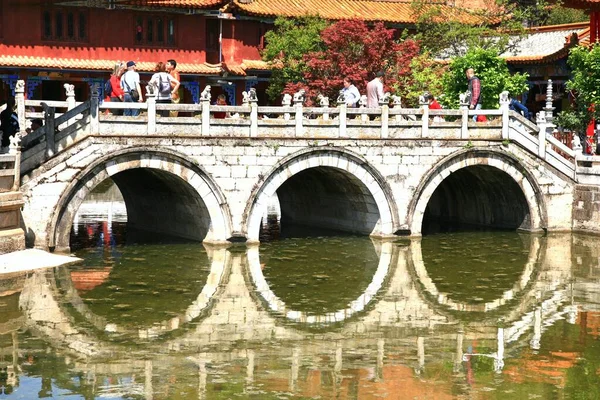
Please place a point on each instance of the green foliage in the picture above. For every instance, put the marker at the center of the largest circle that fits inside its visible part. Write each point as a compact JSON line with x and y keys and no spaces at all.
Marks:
{"x":585,"y":83}
{"x":451,"y":35}
{"x":426,"y":75}
{"x":561,"y":15}
{"x":491,"y":70}
{"x":287,"y":43}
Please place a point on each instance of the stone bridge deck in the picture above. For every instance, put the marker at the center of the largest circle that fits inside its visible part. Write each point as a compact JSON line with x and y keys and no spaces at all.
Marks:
{"x":377,"y":171}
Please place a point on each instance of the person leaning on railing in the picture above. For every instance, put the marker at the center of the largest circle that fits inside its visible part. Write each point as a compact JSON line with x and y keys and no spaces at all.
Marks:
{"x":117,"y":93}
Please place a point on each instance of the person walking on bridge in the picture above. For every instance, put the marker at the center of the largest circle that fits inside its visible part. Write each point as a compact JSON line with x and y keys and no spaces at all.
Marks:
{"x":375,"y":90}
{"x":474,"y":89}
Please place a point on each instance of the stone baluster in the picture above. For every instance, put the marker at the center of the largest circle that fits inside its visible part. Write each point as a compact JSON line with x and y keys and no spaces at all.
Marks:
{"x":543,"y":125}
{"x":70,"y":92}
{"x":286,"y":102}
{"x":363,"y":104}
{"x":385,"y":114}
{"x":49,"y":125}
{"x":421,"y":354}
{"x":504,"y":103}
{"x":343,"y":119}
{"x":298,"y":101}
{"x":464,"y":107}
{"x":458,"y":358}
{"x":534,"y":343}
{"x":253,"y":100}
{"x":95,"y":110}
{"x":15,"y":150}
{"x":424,"y":105}
{"x":397,"y":104}
{"x":205,"y":101}
{"x":324,"y":102}
{"x":151,"y":103}
{"x":20,"y":101}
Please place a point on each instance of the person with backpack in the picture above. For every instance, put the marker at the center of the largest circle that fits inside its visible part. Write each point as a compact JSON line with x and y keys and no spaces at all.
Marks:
{"x":112,"y":87}
{"x":164,"y":83}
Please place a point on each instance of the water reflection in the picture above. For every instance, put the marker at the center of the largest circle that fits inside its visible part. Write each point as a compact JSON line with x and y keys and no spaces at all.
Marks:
{"x":213,"y":323}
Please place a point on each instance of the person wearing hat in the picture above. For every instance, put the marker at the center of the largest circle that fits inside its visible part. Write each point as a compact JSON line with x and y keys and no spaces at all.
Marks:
{"x":130,"y":83}
{"x":375,"y":90}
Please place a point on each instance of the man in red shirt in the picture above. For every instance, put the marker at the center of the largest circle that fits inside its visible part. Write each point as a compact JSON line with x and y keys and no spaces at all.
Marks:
{"x":176,"y":96}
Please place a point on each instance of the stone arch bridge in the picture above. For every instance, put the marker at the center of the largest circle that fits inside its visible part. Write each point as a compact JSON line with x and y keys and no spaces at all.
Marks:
{"x":211,"y":179}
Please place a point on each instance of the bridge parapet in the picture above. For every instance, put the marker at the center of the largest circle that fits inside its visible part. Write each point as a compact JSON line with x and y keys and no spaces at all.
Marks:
{"x":249,"y":121}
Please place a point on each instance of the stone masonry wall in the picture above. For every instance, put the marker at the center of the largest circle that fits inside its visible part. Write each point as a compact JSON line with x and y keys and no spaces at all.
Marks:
{"x":586,"y":209}
{"x":239,"y":168}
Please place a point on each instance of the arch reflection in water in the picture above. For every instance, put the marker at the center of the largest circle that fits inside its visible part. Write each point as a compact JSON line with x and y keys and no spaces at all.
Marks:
{"x":479,"y":277}
{"x":146,"y":293}
{"x":309,"y":290}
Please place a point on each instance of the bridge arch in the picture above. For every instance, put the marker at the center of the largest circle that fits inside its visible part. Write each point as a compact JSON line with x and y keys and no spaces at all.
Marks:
{"x":358,"y":193}
{"x":180,"y":181}
{"x":502,"y":175}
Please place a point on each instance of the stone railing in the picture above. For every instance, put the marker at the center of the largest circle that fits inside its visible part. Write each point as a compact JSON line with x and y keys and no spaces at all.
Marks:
{"x":291,"y":120}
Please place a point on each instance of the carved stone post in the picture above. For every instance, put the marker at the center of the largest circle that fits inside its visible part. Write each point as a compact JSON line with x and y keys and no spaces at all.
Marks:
{"x":363,"y":104}
{"x":504,"y":102}
{"x":70,"y":92}
{"x":205,"y":101}
{"x":151,"y":103}
{"x":424,"y":105}
{"x":324,"y":102}
{"x":397,"y":104}
{"x":20,"y":101}
{"x":253,"y":100}
{"x":286,"y":102}
{"x":15,"y":150}
{"x":49,"y":125}
{"x":499,"y":360}
{"x":464,"y":107}
{"x":385,"y":119}
{"x":549,"y":109}
{"x":342,"y":120}
{"x":543,"y":125}
{"x":95,"y":111}
{"x":298,"y":101}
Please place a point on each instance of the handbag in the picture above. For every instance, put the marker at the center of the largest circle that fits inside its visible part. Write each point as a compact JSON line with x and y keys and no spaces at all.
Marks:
{"x":135,"y":96}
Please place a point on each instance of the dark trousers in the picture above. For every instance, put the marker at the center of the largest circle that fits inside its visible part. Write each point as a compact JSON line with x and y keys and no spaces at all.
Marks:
{"x":116,"y":100}
{"x":163,"y":113}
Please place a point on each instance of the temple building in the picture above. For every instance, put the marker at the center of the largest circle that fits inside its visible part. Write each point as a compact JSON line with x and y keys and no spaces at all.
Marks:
{"x":218,"y":42}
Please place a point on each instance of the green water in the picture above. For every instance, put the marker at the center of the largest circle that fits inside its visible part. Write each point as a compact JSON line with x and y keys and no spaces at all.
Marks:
{"x":322,"y":318}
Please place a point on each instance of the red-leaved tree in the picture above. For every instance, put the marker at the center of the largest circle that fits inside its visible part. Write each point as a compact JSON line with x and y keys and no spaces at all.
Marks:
{"x":355,"y":50}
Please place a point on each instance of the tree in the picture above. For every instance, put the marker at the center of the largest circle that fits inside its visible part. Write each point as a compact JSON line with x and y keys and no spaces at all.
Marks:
{"x":353,"y":49}
{"x":585,"y":84}
{"x":497,"y":27}
{"x":561,"y":15}
{"x":287,"y":44}
{"x":425,"y":76}
{"x":491,"y":70}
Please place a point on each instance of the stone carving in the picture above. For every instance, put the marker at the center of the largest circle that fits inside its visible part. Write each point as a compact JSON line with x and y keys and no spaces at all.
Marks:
{"x":464,"y":99}
{"x":363,"y":101}
{"x":95,"y":90}
{"x":423,"y":99}
{"x":323,"y":100}
{"x":205,"y":95}
{"x":396,"y":101}
{"x":287,"y":100}
{"x":151,"y":89}
{"x":252,"y":95}
{"x":14,"y":143}
{"x":576,"y":143}
{"x":69,"y":89}
{"x":385,"y":99}
{"x":20,"y":86}
{"x":341,"y":99}
{"x":299,"y":96}
{"x":245,"y":97}
{"x":540,"y":118}
{"x":504,"y":97}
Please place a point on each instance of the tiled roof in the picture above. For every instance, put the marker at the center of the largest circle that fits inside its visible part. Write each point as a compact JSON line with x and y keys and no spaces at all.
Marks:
{"x":88,"y":64}
{"x":241,"y":69}
{"x":546,"y":44}
{"x":392,"y":11}
{"x":174,"y":3}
